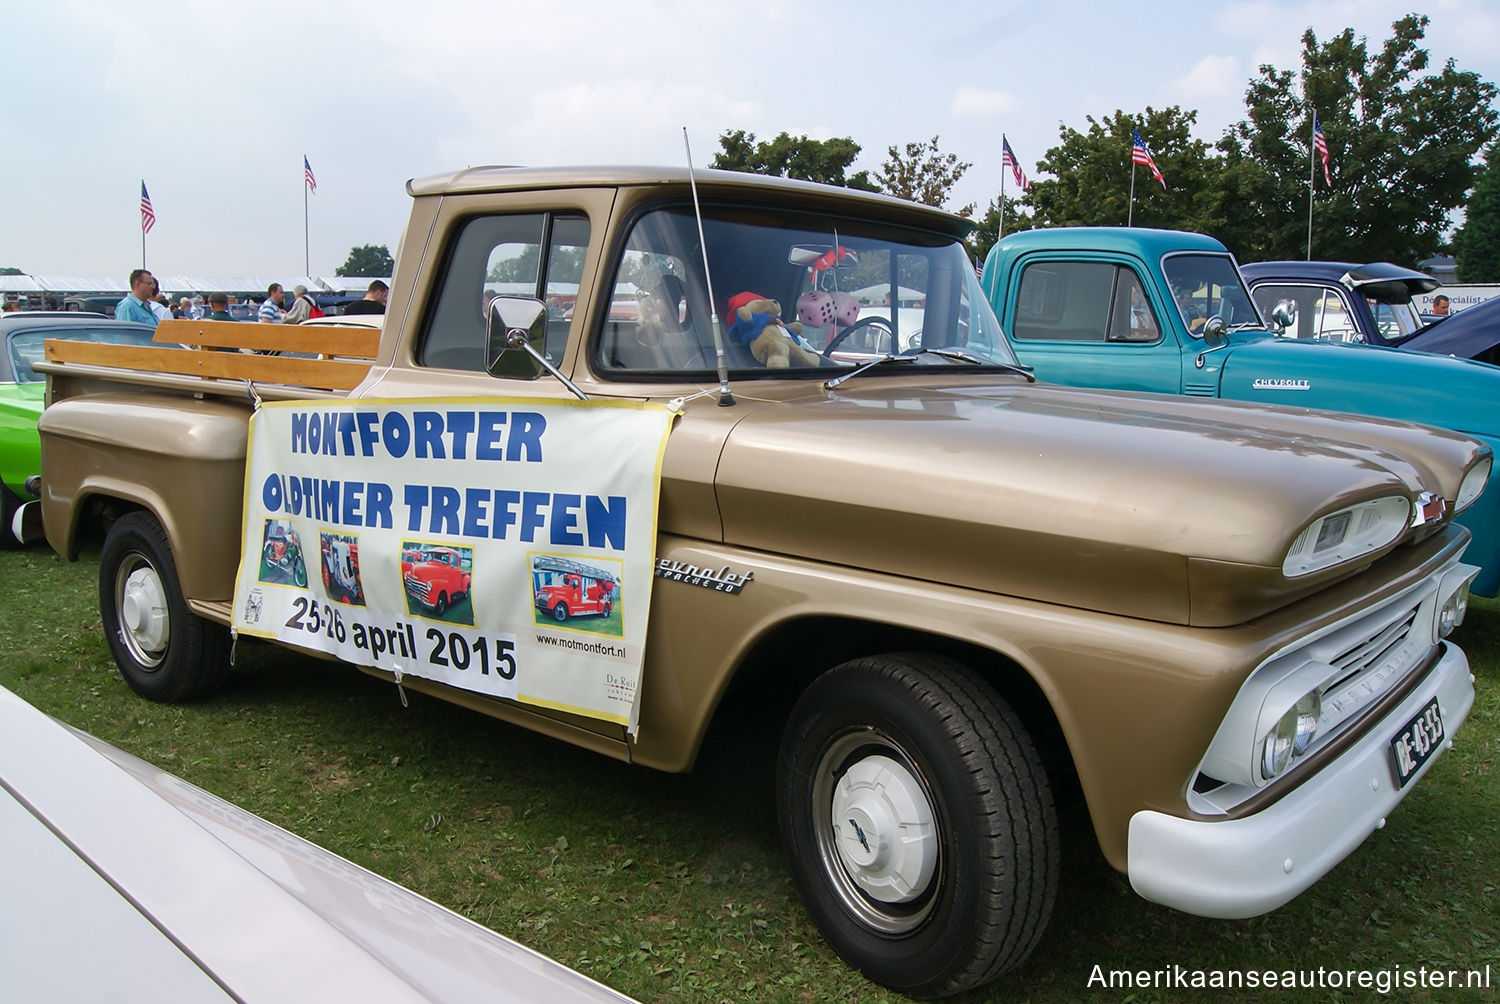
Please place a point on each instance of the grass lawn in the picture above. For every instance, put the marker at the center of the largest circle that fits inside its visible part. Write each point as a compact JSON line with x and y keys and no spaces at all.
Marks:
{"x":672,"y":888}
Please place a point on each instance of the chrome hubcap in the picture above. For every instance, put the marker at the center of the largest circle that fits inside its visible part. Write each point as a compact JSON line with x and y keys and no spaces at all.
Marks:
{"x":883,"y":830}
{"x":145,"y":625}
{"x":878,"y":834}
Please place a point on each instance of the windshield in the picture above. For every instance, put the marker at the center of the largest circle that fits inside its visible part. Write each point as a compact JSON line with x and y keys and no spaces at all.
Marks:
{"x":1209,"y":285}
{"x":27,"y":347}
{"x":1395,"y":321}
{"x":847,"y":291}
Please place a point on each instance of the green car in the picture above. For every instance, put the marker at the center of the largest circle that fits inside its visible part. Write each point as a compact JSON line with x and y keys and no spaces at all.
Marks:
{"x":22,"y":389}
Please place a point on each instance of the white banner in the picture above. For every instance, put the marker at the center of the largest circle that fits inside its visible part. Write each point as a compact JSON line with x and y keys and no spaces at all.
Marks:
{"x":503,"y":546}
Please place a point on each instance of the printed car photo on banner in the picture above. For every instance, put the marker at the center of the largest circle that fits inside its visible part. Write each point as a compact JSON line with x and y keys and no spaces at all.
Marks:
{"x":503,"y":546}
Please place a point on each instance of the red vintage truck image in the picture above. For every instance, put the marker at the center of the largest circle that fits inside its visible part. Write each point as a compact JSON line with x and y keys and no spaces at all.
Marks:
{"x":566,"y":588}
{"x":434,"y":576}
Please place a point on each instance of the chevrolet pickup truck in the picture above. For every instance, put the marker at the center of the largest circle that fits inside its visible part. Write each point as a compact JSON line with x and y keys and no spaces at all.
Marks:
{"x":958,"y":595}
{"x":1167,"y":311}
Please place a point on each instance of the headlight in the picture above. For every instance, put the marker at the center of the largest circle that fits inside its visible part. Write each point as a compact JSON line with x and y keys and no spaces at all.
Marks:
{"x":1453,"y":599}
{"x":1473,"y":485}
{"x":1347,"y":534}
{"x":1292,"y":735}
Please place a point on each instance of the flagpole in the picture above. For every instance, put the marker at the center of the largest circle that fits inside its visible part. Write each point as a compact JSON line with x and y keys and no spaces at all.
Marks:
{"x":306,"y":254}
{"x":1130,"y":213}
{"x":1002,"y":203}
{"x":1312,"y":176}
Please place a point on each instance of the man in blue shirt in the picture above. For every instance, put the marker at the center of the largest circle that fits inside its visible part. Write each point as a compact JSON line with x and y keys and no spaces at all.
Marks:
{"x":270,"y":311}
{"x":133,"y":307}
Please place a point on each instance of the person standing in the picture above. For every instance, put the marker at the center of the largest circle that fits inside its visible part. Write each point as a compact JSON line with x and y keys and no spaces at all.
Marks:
{"x":302,"y":306}
{"x":158,"y":302}
{"x":270,"y":309}
{"x":135,"y":306}
{"x":374,"y":301}
{"x":219,"y":307}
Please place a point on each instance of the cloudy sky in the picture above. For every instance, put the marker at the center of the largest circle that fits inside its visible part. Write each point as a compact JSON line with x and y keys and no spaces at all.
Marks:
{"x":214,"y":106}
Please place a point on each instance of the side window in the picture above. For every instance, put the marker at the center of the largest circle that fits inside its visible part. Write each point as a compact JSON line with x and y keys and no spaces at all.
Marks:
{"x":1332,"y":320}
{"x":1320,"y":312}
{"x":1064,"y":301}
{"x":503,"y":256}
{"x":1083,"y":302}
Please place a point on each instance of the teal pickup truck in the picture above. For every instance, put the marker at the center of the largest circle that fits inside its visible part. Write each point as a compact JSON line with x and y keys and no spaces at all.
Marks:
{"x":1166,"y":311}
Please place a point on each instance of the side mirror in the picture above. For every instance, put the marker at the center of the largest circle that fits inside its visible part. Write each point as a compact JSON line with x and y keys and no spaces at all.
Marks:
{"x":1213,"y":332}
{"x":1284,"y":315}
{"x":510,"y":323}
{"x":515,"y":341}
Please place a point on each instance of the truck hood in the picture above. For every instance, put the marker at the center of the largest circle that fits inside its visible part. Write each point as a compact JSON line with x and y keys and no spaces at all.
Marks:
{"x":1373,"y":380}
{"x":1143,"y":505}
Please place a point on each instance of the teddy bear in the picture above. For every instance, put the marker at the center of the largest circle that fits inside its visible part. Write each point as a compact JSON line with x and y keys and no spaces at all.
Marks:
{"x":757,"y":323}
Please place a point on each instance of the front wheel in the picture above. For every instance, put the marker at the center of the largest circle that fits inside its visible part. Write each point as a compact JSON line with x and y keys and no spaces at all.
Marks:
{"x":919,"y":823}
{"x":560,"y":612}
{"x":164,"y":651}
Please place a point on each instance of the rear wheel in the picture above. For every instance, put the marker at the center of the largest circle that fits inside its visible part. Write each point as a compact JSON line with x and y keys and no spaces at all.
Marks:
{"x":164,"y":651}
{"x":918,"y":822}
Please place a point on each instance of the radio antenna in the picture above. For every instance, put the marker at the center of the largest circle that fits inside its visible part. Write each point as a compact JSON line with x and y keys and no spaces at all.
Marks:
{"x":726,"y":399}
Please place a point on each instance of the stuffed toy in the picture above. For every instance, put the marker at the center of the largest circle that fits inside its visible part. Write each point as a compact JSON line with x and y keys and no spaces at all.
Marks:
{"x":834,"y":311}
{"x":757,"y":323}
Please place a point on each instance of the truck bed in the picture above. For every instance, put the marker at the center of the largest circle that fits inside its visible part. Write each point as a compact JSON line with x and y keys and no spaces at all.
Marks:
{"x":223,"y":357}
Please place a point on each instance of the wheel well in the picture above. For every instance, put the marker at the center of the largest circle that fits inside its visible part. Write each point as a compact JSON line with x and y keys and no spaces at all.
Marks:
{"x":782,"y":664}
{"x":96,"y":514}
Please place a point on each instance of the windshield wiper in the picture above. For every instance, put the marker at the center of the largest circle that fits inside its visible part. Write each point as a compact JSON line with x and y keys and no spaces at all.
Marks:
{"x":1019,"y":368}
{"x":911,"y":356}
{"x":889,"y":357}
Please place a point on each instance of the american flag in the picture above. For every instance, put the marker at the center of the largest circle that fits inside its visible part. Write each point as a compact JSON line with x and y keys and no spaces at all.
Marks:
{"x":312,"y":183}
{"x":1321,"y":145}
{"x":1140,"y":155}
{"x":1008,"y":159}
{"x":148,"y":218}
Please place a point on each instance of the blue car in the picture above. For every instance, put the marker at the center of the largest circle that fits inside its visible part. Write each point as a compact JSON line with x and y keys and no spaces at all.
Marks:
{"x":1167,"y":311}
{"x":1341,"y":301}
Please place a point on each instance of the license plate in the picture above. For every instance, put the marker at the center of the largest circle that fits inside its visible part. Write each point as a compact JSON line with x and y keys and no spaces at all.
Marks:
{"x":1416,"y":742}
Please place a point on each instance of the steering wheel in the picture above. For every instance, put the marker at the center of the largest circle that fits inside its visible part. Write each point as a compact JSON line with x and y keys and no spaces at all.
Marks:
{"x":873,"y":320}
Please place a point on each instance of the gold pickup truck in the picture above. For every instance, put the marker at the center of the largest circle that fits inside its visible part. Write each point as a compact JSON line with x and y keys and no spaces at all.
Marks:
{"x":963,"y":596}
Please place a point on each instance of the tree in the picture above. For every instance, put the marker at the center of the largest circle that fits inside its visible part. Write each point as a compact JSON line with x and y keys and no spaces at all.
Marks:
{"x":565,"y":265}
{"x":8,"y":270}
{"x":986,"y":232}
{"x":921,"y":173}
{"x":1090,"y":183}
{"x":1400,"y":139}
{"x":368,"y":259}
{"x":1477,"y":244}
{"x":826,"y":161}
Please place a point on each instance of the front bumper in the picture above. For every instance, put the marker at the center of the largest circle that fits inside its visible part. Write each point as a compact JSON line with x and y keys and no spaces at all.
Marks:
{"x":1234,"y":868}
